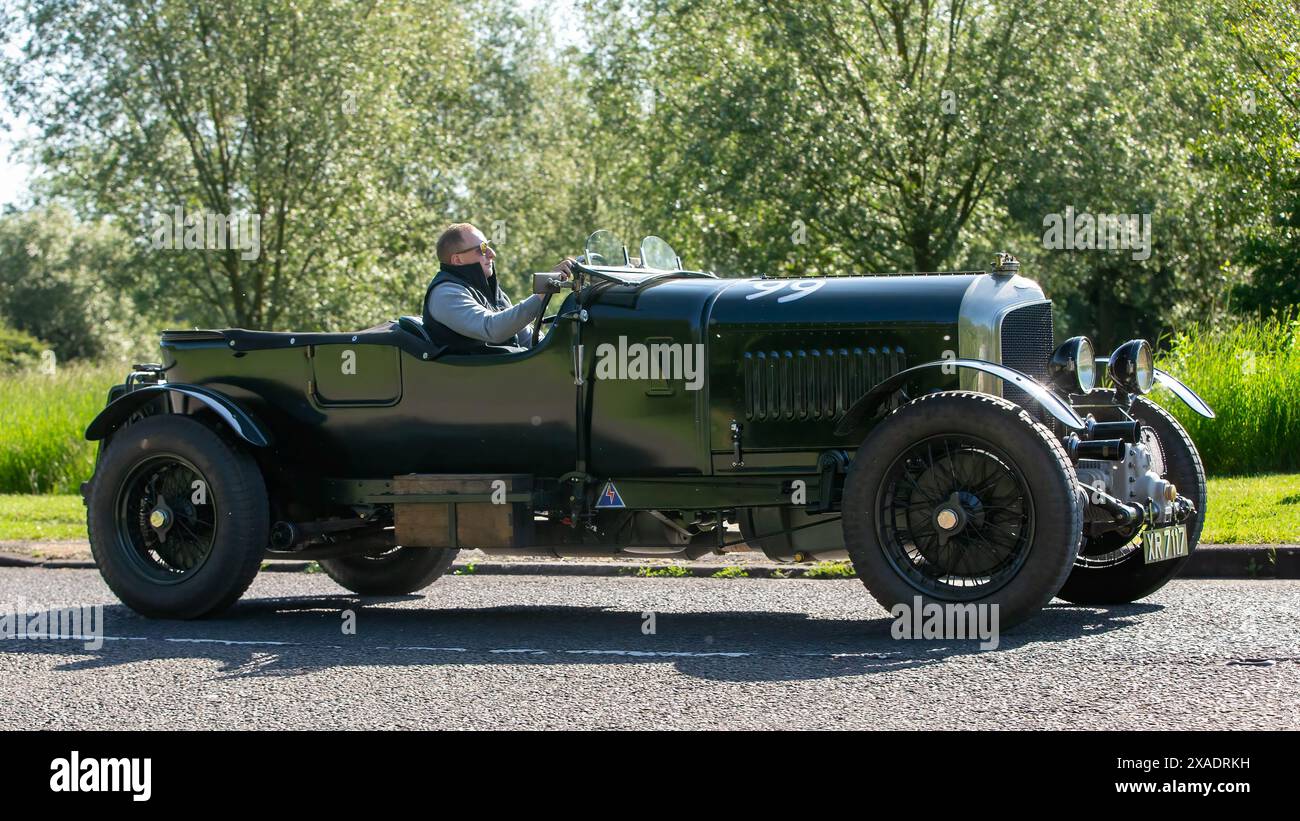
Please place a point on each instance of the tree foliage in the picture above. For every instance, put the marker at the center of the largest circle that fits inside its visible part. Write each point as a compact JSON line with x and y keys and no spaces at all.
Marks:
{"x":842,"y":136}
{"x":52,"y":285}
{"x":298,"y":113}
{"x":1259,"y":147}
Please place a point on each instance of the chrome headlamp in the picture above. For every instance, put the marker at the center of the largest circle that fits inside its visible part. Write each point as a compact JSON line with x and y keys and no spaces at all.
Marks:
{"x":1073,"y":366}
{"x":1133,"y":367}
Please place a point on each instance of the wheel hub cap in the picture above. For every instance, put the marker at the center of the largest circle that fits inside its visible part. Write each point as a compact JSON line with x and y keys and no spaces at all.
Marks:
{"x":161,"y":518}
{"x":950,"y":517}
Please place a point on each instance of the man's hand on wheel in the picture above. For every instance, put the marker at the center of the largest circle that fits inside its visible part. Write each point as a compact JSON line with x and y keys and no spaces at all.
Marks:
{"x":565,"y":270}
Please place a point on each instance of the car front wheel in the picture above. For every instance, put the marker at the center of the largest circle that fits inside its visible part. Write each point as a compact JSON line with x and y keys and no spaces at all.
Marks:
{"x":961,"y":497}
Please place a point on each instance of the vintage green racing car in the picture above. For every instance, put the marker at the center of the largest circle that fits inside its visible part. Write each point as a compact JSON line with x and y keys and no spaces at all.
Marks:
{"x":926,"y":426}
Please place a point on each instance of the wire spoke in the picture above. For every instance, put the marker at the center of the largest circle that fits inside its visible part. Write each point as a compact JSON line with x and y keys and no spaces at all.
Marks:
{"x":991,"y":537}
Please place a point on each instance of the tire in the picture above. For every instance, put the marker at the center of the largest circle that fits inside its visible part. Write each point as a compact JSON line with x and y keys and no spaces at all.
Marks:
{"x":1098,"y":581}
{"x":216,"y":534}
{"x":1021,"y":515}
{"x":395,"y":572}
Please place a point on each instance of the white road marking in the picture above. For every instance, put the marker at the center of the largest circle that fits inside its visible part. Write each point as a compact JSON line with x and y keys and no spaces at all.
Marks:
{"x":429,"y":649}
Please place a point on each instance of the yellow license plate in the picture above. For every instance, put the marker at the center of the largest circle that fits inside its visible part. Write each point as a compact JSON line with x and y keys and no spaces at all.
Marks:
{"x":1164,"y":543}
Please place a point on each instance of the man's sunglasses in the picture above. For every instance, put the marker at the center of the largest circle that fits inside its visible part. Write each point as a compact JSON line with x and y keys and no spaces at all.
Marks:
{"x":483,"y":247}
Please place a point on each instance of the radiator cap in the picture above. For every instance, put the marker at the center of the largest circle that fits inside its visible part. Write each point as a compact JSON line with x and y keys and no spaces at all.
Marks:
{"x":1005,"y":265}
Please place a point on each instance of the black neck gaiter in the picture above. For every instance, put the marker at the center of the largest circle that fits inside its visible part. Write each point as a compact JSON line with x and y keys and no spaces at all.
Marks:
{"x":472,"y":275}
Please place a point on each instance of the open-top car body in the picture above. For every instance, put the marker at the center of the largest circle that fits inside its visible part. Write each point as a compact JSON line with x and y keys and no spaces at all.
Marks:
{"x":925,"y":426}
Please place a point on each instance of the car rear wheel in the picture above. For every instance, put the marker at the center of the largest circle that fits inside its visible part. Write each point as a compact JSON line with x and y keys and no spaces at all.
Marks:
{"x":393,"y":572}
{"x":178,"y":518}
{"x":961,"y":497}
{"x":1111,"y":568}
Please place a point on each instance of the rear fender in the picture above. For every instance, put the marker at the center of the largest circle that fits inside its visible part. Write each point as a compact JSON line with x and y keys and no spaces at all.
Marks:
{"x":240,"y":422}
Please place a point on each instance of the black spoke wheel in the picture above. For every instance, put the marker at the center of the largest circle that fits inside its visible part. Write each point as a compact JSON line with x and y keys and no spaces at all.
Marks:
{"x":167,"y":518}
{"x":178,"y":518}
{"x":1111,"y":568}
{"x":960,"y":497}
{"x":956,"y":517}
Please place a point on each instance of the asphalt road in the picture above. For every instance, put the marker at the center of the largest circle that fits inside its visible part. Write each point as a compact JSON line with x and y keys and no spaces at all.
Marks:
{"x":570,"y":652}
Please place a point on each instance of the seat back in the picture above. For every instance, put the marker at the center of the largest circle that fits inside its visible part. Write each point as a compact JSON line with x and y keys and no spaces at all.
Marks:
{"x":414,"y":325}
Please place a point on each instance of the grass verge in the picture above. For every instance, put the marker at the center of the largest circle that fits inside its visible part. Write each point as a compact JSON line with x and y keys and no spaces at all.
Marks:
{"x":42,"y":448}
{"x":27,"y":517}
{"x":1254,"y":510}
{"x":1248,"y":373}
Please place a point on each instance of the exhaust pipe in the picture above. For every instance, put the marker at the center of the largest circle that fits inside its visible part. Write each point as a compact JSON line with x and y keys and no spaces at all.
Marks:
{"x":293,"y":536}
{"x":378,"y":540}
{"x":1125,"y":514}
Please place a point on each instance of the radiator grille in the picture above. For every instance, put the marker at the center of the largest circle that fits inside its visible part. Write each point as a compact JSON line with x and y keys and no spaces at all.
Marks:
{"x":1027,"y":345}
{"x":813,"y":384}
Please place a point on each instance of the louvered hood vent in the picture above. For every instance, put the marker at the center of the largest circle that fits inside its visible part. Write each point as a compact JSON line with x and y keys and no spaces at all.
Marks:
{"x":816,"y":384}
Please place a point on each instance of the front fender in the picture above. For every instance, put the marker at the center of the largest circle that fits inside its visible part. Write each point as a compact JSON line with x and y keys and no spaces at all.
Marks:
{"x":1177,"y":388}
{"x":867,"y":407}
{"x":119,"y":410}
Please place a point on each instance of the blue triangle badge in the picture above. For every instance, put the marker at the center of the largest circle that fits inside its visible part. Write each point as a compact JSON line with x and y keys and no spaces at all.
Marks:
{"x":609,"y":497}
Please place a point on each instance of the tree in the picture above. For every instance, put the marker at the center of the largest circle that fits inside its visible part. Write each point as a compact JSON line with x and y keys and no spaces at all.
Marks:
{"x":524,"y":151}
{"x":881,"y":129}
{"x":52,"y":284}
{"x":295,"y":114}
{"x":856,"y":136}
{"x":1258,"y":146}
{"x":1141,"y":95}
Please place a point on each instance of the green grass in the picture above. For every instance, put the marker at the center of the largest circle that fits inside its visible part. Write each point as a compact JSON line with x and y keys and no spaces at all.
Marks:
{"x":42,"y":421}
{"x":670,"y":571}
{"x":731,"y":572}
{"x":831,"y":570}
{"x":41,"y":518}
{"x":1254,"y":510}
{"x":1249,"y":373}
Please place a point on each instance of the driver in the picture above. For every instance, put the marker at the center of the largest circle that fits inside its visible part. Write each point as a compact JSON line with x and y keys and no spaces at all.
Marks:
{"x":465,"y":310}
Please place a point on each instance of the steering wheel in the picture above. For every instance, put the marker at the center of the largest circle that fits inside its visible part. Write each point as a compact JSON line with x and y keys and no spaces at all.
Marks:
{"x":579,"y":268}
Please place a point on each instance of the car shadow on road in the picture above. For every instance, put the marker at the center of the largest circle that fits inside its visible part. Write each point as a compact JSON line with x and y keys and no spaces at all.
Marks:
{"x":300,"y":635}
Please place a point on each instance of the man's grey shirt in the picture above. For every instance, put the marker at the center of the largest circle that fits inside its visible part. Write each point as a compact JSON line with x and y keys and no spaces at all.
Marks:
{"x":454,"y":306}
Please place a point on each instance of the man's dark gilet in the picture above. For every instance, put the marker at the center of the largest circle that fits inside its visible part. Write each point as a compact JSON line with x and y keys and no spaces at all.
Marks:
{"x":485,"y":292}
